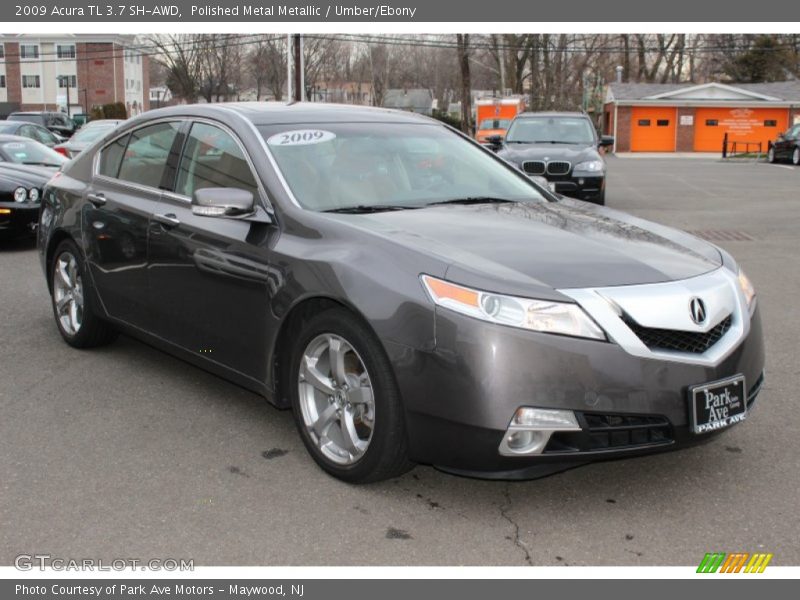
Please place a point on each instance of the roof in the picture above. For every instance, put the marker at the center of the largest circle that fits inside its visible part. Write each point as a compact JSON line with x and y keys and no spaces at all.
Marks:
{"x":774,"y":92}
{"x":273,"y":113}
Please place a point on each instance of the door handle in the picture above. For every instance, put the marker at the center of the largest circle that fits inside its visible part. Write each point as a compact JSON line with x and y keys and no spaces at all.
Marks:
{"x":168,"y":220}
{"x":96,"y":199}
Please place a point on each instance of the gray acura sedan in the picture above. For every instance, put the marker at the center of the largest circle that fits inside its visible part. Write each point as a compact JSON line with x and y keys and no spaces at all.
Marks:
{"x":412,"y":297}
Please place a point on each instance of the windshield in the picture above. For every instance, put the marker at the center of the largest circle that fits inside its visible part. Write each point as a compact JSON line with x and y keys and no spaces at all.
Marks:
{"x":91,"y":134}
{"x":336,"y":166}
{"x":30,"y":153}
{"x":494,"y":124}
{"x":559,"y":130}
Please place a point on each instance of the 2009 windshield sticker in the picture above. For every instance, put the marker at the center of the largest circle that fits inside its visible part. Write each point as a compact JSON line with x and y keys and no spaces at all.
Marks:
{"x":301,"y":137}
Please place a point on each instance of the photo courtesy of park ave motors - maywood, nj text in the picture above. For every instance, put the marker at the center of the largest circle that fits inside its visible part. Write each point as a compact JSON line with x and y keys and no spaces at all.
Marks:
{"x":394,"y":298}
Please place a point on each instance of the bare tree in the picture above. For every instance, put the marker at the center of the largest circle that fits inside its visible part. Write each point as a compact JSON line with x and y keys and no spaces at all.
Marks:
{"x":462,"y":42}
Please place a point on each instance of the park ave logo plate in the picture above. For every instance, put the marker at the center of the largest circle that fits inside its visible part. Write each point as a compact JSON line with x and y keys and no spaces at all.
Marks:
{"x":718,"y":404}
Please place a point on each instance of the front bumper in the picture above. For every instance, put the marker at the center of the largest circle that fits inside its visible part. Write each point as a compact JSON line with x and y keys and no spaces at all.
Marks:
{"x":589,"y":187}
{"x":18,"y":219}
{"x":460,"y":396}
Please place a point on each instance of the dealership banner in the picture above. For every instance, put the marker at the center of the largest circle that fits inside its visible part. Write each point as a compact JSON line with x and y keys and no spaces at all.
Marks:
{"x":399,"y":589}
{"x":411,"y":11}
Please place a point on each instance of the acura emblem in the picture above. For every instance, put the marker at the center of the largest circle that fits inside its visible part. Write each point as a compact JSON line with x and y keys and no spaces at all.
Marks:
{"x":698,"y":310}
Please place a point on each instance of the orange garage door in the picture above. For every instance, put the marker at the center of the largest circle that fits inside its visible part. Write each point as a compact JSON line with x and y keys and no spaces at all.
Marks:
{"x":653,"y":129}
{"x":741,"y":125}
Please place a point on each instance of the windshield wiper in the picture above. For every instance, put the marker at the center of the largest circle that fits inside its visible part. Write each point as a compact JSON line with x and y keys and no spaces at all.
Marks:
{"x":368,"y":208}
{"x":40,"y":164}
{"x":473,"y":200}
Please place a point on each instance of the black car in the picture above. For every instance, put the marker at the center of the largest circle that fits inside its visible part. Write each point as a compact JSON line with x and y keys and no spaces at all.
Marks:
{"x":25,"y":167}
{"x":786,"y":147}
{"x":57,"y":122}
{"x":562,"y":147}
{"x":32,"y":131}
{"x":411,"y":296}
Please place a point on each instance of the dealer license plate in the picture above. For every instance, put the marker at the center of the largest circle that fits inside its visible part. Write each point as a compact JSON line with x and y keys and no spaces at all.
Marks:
{"x":718,"y":404}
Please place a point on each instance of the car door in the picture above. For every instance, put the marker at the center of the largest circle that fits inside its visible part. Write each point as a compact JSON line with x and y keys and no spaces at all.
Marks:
{"x":131,"y":172}
{"x":209,"y":276}
{"x":785,"y":144}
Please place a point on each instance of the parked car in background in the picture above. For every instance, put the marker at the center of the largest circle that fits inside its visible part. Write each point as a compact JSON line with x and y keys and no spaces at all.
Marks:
{"x":786,"y":147}
{"x":494,"y":115}
{"x":409,"y":294}
{"x":31,"y":131}
{"x":57,"y":122}
{"x":86,"y":136}
{"x":25,"y":167}
{"x":563,"y":148}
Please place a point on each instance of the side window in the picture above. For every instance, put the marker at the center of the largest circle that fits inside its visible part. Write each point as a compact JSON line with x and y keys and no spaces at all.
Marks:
{"x":26,"y":131}
{"x":111,"y":156}
{"x":212,"y":158}
{"x":44,"y":136}
{"x":147,"y":154}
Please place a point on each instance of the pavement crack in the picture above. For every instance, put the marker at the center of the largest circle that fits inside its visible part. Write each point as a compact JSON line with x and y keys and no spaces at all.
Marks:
{"x":504,"y":512}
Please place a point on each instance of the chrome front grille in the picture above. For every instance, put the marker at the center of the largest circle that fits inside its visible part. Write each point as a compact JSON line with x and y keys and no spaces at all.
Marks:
{"x":534,"y":167}
{"x":558,"y":167}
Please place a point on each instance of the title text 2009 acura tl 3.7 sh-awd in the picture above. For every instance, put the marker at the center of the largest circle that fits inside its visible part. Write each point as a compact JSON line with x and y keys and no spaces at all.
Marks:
{"x":410,"y":295}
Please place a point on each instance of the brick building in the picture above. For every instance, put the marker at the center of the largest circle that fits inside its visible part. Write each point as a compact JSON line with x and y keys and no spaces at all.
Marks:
{"x":39,"y":72}
{"x":654,"y":117}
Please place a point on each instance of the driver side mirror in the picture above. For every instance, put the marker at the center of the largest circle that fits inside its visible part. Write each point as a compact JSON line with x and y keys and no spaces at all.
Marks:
{"x":222,"y":202}
{"x":606,"y":141}
{"x":494,"y":140}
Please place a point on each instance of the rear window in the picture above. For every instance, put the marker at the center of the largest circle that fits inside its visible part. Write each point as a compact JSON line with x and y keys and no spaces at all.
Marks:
{"x":30,"y":153}
{"x":28,"y":118}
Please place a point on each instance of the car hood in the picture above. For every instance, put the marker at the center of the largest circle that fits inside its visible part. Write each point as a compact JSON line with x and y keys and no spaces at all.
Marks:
{"x":513,"y":248}
{"x":13,"y":175}
{"x":573,"y":153}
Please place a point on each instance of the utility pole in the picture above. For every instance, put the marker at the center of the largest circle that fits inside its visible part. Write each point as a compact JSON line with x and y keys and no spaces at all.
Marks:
{"x":299,"y":83}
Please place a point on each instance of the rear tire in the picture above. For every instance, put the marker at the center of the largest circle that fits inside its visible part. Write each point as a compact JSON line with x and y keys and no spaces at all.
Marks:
{"x":73,"y":300}
{"x":345,"y":399}
{"x":771,"y":154}
{"x":796,"y":157}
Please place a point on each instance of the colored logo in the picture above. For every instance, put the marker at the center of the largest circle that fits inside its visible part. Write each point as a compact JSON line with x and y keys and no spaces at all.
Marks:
{"x":737,"y":562}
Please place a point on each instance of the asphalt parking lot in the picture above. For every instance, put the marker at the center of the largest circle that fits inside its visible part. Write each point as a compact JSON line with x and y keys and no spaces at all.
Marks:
{"x":127,"y":452}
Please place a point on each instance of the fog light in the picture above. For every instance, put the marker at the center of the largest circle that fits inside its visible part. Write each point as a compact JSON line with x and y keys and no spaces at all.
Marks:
{"x":530,"y":430}
{"x":527,"y":442}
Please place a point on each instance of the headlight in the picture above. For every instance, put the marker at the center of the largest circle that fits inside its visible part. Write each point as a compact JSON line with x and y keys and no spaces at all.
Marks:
{"x":33,"y":195}
{"x":537,"y":315}
{"x":20,"y":194}
{"x":747,"y":288}
{"x":592,"y":166}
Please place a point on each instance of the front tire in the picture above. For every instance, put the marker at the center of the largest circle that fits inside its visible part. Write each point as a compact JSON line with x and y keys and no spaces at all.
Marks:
{"x":796,"y":157}
{"x":771,"y":154}
{"x":73,"y":300}
{"x":345,"y":400}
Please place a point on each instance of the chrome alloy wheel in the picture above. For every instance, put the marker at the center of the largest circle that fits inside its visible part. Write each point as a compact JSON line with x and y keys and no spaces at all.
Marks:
{"x":68,"y":293}
{"x":336,"y":399}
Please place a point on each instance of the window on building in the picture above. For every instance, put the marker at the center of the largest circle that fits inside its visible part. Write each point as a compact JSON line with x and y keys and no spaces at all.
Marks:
{"x":63,"y":80}
{"x":644,"y":122}
{"x":28,"y":51}
{"x":31,"y":81}
{"x":770,"y":123}
{"x":138,"y":86}
{"x":712,"y":122}
{"x":2,"y":81}
{"x":662,"y":123}
{"x":2,"y":50}
{"x":65,"y":50}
